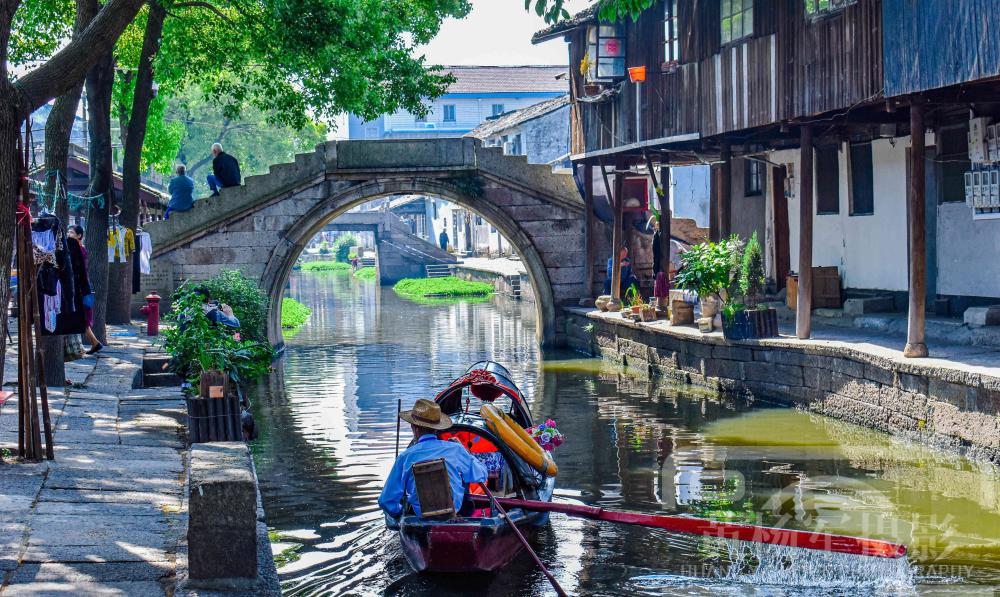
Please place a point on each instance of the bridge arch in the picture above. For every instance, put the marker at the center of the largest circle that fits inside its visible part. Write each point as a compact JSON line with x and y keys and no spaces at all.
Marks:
{"x":284,"y":256}
{"x":262,"y":227}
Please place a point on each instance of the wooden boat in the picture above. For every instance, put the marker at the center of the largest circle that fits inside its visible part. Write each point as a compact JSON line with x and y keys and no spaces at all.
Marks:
{"x":483,"y":542}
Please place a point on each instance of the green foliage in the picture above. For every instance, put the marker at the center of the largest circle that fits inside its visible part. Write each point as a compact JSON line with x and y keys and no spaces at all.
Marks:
{"x":710,"y":268}
{"x":38,"y":29}
{"x":197,"y":344}
{"x":293,"y":313}
{"x":441,"y":287}
{"x":608,"y":10}
{"x":325,"y":266}
{"x":752,"y":272}
{"x":365,"y":273}
{"x":632,"y":297}
{"x":251,"y":136}
{"x":342,"y":246}
{"x":731,"y":308}
{"x":248,"y":301}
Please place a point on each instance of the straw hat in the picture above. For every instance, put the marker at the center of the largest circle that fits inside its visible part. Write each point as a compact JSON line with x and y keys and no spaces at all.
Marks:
{"x":426,"y":414}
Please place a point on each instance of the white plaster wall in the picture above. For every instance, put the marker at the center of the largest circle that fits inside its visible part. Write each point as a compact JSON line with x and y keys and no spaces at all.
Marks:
{"x":967,"y":253}
{"x":871,"y":251}
{"x":469,"y":113}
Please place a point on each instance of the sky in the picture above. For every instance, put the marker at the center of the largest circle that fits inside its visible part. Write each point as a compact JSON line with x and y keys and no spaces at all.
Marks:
{"x":497,"y":32}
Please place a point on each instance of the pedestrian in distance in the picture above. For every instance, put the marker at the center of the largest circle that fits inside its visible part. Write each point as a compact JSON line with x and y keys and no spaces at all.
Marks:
{"x":225,"y":170}
{"x":75,"y":233}
{"x":181,"y":189}
{"x":443,"y":237}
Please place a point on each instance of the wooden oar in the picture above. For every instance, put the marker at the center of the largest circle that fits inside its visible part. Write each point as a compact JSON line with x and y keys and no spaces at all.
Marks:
{"x":493,"y":502}
{"x":708,"y":528}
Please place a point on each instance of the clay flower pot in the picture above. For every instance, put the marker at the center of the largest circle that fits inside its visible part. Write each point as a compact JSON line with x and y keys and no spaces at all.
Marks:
{"x":602,"y":302}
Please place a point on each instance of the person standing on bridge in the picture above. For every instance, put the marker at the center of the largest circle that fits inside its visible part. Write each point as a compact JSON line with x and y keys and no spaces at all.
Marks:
{"x":225,"y":170}
{"x":181,"y":192}
{"x":443,"y":237}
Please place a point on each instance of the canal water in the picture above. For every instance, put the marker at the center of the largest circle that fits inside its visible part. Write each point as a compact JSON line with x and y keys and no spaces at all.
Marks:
{"x":327,"y":438}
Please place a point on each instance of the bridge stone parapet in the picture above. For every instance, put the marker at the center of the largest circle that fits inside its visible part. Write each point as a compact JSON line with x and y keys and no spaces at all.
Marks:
{"x":262,"y":227}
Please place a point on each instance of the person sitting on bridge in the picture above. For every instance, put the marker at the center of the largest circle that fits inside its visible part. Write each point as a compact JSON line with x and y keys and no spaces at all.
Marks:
{"x":181,"y":192}
{"x":225,"y":170}
{"x":627,"y":277}
{"x":425,"y":420}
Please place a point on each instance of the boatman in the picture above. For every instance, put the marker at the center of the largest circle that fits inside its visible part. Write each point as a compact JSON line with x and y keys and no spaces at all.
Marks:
{"x":426,"y":419}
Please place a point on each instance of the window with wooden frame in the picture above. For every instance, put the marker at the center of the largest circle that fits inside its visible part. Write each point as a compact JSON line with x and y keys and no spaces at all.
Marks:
{"x":953,"y":158}
{"x":737,"y":20}
{"x":448,"y":112}
{"x":605,"y":59}
{"x":818,"y":8}
{"x":671,"y":34}
{"x":862,"y":200}
{"x":827,"y":179}
{"x":753,"y":178}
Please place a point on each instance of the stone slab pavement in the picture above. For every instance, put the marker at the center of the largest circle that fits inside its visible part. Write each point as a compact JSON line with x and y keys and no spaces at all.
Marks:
{"x":107,"y":516}
{"x":502,"y":266}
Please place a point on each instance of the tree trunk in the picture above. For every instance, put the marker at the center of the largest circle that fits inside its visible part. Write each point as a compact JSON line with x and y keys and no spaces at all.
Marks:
{"x":58,"y":128}
{"x":99,"y":86}
{"x":119,"y":310}
{"x":11,"y":118}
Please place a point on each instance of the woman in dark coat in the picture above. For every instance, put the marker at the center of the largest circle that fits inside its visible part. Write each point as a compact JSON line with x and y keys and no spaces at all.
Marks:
{"x":75,"y":241}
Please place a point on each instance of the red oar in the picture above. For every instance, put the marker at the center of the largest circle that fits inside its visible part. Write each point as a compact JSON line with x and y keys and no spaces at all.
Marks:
{"x":699,"y":526}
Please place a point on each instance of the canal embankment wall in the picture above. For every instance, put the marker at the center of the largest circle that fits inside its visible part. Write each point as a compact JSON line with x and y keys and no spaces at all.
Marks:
{"x":949,"y":404}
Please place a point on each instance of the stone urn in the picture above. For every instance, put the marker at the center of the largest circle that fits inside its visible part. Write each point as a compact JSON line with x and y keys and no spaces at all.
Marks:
{"x":602,"y":302}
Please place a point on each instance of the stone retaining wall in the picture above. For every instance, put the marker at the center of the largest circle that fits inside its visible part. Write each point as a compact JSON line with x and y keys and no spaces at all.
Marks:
{"x":947,"y":407}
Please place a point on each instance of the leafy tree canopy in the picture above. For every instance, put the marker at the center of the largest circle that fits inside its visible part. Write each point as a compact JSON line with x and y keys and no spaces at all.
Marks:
{"x":607,"y":10}
{"x":39,"y":28}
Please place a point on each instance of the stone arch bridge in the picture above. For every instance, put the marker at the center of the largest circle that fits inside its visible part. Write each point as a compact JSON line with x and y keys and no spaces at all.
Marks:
{"x":262,"y":227}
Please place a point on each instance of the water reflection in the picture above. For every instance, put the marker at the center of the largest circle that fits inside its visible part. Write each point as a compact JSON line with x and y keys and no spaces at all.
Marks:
{"x":327,"y":421}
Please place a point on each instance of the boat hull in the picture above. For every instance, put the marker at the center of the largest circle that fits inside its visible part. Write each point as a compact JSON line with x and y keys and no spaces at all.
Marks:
{"x":462,"y":545}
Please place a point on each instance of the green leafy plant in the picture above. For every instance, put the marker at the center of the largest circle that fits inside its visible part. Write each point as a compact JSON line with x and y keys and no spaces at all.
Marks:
{"x":342,"y":246}
{"x":441,"y":287}
{"x":325,"y":266}
{"x":632,"y":297}
{"x":248,"y":301}
{"x":324,"y":248}
{"x":293,"y":313}
{"x":731,"y":308}
{"x":365,"y":273}
{"x":197,"y":344}
{"x":711,"y":268}
{"x":752,"y":272}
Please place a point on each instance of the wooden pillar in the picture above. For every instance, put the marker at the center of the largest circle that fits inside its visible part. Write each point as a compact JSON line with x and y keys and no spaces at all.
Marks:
{"x":588,"y":208}
{"x":665,"y":216}
{"x":725,"y":191}
{"x":803,"y":311}
{"x":916,"y":212}
{"x":616,"y":236}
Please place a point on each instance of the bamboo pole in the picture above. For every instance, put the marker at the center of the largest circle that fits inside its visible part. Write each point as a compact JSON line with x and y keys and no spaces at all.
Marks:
{"x":916,"y":346}
{"x":803,"y":311}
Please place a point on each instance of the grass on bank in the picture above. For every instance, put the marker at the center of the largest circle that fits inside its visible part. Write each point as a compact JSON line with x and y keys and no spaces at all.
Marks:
{"x":442,"y":288}
{"x":365,"y":273}
{"x":293,"y":314}
{"x":326,"y":266}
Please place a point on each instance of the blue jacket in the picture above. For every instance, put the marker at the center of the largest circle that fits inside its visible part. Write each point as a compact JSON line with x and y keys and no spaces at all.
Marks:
{"x":226,"y":170}
{"x":181,"y":193}
{"x":463,"y":468}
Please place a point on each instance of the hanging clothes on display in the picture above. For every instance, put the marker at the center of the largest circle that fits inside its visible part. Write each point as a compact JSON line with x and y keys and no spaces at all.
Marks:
{"x":145,"y":252}
{"x":121,"y":242}
{"x":135,"y":269}
{"x":59,"y":297}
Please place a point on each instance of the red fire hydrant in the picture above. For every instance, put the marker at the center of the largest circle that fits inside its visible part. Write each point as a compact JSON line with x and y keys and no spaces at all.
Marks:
{"x":152,"y":313}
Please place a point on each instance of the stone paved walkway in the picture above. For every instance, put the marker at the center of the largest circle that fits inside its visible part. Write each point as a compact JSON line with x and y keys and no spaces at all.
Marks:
{"x":502,"y":266}
{"x":106,"y":517}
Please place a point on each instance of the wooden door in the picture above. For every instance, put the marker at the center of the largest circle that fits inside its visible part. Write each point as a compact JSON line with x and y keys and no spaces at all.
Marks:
{"x":781,"y":256}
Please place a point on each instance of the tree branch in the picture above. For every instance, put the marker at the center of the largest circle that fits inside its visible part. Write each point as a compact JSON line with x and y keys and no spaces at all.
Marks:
{"x":218,"y":139}
{"x":205,"y":5}
{"x":69,"y":66}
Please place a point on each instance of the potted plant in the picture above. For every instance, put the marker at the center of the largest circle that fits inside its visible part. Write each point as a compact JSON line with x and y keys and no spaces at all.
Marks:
{"x":634,"y":301}
{"x":762,"y":319}
{"x":710,"y":271}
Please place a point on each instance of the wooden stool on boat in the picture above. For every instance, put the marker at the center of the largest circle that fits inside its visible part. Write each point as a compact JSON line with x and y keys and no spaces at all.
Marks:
{"x":433,"y":489}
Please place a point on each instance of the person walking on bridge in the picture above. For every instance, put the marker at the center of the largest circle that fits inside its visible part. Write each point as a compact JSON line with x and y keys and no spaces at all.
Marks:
{"x":225,"y":170}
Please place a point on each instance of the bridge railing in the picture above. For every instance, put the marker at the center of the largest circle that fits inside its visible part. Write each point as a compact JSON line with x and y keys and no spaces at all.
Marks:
{"x":417,"y":252}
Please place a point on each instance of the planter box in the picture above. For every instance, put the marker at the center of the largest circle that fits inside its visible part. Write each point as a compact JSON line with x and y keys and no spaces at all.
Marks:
{"x":681,"y":313}
{"x":751,"y":325}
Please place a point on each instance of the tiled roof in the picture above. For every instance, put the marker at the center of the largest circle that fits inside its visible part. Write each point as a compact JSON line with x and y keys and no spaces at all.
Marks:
{"x":581,"y":18}
{"x":493,"y":126}
{"x":508,"y":79}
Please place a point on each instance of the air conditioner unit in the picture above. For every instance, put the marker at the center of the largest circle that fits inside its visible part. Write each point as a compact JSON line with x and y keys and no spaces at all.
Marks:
{"x":977,"y":189}
{"x":994,"y":187}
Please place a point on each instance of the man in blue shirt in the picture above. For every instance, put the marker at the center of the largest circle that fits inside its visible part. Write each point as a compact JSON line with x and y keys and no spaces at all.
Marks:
{"x":425,"y":420}
{"x":181,"y":192}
